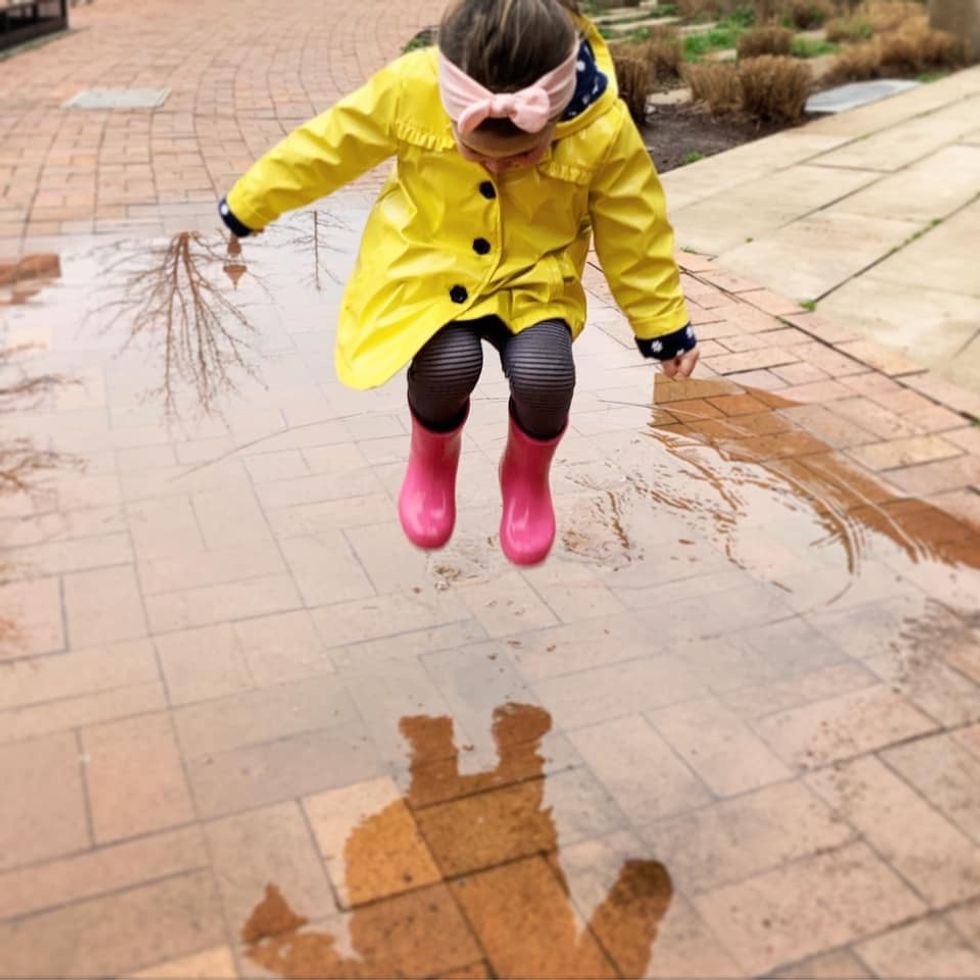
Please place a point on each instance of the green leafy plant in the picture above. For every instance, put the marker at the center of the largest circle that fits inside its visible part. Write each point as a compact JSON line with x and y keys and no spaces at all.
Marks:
{"x":696,"y":46}
{"x":693,"y":157}
{"x":809,"y":305}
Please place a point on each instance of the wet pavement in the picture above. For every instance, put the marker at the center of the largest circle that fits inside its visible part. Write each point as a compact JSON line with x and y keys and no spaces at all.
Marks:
{"x":731,"y":728}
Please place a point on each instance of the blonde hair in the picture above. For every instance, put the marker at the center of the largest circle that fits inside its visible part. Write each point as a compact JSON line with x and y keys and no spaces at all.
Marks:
{"x":506,"y":45}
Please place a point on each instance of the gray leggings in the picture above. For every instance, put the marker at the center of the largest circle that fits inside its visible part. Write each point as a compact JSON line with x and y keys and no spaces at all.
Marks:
{"x":537,"y":362}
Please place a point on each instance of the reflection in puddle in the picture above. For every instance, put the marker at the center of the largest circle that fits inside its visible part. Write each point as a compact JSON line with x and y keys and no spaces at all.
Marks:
{"x":22,"y":461}
{"x":774,"y":499}
{"x":465,"y":868}
{"x":176,"y":296}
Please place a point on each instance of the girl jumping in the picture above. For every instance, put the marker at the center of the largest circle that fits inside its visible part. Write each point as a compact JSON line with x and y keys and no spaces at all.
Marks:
{"x":512,"y":152}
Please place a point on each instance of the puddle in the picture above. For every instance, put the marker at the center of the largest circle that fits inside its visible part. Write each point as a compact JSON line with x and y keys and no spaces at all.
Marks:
{"x":464,"y":872}
{"x":773,"y":499}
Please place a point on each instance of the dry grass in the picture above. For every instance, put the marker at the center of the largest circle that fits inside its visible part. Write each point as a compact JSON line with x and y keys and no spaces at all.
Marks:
{"x":807,"y":14}
{"x":716,"y":84}
{"x":917,"y":47}
{"x":636,"y":82}
{"x":665,"y":52}
{"x":913,"y":49}
{"x":774,"y":88}
{"x":890,"y":15}
{"x":765,"y":40}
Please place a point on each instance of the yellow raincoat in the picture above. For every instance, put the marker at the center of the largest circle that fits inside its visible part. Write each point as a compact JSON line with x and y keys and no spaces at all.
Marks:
{"x":445,"y":241}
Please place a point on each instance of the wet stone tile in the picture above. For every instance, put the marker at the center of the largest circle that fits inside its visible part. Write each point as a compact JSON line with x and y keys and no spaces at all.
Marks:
{"x":42,"y":807}
{"x":370,"y":842}
{"x":135,"y":779}
{"x":726,"y":842}
{"x":811,"y":905}
{"x":939,"y":860}
{"x":827,"y":731}
{"x":929,"y":949}
{"x":527,"y":923}
{"x":116,"y":934}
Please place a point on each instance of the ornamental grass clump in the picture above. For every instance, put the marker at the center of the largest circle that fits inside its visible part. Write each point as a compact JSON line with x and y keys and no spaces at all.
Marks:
{"x":774,"y":88}
{"x":716,"y":84}
{"x":765,"y":40}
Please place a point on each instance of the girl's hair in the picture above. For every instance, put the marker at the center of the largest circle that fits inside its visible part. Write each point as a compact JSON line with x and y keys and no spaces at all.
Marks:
{"x":507,"y":45}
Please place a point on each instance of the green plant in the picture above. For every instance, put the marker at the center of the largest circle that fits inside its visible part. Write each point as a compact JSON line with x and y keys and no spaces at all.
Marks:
{"x":931,"y":76}
{"x":809,"y":305}
{"x":774,"y":88}
{"x":715,"y":39}
{"x":716,"y":84}
{"x":804,"y":47}
{"x":765,"y":40}
{"x":692,"y":157}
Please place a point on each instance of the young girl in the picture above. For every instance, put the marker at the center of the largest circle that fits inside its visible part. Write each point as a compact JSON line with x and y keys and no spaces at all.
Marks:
{"x":513,"y":150}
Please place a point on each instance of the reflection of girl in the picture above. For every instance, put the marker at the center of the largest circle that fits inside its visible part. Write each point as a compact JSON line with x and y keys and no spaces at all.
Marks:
{"x":512,"y":149}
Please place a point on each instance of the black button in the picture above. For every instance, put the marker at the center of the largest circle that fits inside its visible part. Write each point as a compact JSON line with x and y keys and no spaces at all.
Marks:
{"x":488,"y":190}
{"x":481,"y":246}
{"x":458,"y":294}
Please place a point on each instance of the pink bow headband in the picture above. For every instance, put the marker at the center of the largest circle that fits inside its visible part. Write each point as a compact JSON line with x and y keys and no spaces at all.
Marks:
{"x":468,"y":103}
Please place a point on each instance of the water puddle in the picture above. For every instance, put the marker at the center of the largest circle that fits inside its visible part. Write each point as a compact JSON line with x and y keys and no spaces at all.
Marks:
{"x":465,"y":872}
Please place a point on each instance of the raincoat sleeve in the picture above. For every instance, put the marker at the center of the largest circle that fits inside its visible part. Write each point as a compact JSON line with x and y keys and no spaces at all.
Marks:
{"x":633,"y":238}
{"x":329,"y":151}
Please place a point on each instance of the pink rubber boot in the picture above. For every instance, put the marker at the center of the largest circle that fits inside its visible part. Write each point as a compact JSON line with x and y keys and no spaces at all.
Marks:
{"x":427,"y":501}
{"x":527,"y":526}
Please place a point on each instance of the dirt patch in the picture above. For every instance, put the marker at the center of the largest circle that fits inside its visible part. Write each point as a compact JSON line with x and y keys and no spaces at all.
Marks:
{"x":678,"y":135}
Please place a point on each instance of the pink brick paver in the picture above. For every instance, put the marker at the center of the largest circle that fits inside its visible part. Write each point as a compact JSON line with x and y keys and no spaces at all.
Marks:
{"x":730,"y":729}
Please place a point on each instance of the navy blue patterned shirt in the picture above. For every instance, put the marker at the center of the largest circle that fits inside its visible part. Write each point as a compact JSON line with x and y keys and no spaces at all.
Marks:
{"x":590,"y":83}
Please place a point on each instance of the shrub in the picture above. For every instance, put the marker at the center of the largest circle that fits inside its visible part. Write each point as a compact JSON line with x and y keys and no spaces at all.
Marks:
{"x":665,"y":51}
{"x":807,"y":14}
{"x":857,"y":62}
{"x":716,"y":84}
{"x":889,"y":15}
{"x":765,"y":40}
{"x":635,"y":83}
{"x":774,"y":89}
{"x":909,"y":51}
{"x":917,"y":47}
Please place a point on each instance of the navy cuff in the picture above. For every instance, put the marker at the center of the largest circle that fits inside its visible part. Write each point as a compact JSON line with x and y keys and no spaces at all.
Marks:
{"x":666,"y":348}
{"x":231,"y":222}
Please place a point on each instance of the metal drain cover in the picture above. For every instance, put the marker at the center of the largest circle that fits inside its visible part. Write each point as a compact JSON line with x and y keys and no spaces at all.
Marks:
{"x":856,"y":94}
{"x":119,"y":98}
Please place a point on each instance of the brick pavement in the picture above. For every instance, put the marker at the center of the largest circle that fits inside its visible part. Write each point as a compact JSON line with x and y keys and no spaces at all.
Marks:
{"x":732,"y":728}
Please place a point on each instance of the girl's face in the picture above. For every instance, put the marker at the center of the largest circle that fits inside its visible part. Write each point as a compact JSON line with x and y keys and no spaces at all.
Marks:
{"x":499,"y":154}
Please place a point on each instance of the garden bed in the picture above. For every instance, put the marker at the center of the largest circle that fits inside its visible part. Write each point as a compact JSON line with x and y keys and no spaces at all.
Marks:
{"x":677,"y":135}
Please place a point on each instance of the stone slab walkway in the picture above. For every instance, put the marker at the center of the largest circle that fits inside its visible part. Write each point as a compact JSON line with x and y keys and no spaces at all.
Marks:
{"x":873,"y":214}
{"x":730,"y":729}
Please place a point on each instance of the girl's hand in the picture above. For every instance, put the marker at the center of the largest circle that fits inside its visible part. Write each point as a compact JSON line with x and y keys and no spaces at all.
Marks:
{"x":682,"y":365}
